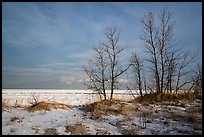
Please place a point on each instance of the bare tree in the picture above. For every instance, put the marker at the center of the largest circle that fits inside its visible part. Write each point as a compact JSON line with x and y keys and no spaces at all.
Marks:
{"x":137,"y":70}
{"x":103,"y":72}
{"x":96,"y":72}
{"x":197,"y":80}
{"x":113,"y":51}
{"x":183,"y":71}
{"x":170,"y":67}
{"x":159,"y":41}
{"x":165,"y":40}
{"x":151,"y":39}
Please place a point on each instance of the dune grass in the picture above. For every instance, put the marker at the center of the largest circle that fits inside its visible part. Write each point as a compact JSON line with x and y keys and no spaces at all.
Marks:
{"x":106,"y":108}
{"x":47,"y":106}
{"x":159,"y":97}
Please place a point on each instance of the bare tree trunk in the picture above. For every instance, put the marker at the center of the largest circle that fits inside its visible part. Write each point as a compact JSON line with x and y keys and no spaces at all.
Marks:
{"x":95,"y":71}
{"x":158,"y":41}
{"x":165,"y":41}
{"x":113,"y":51}
{"x":137,"y":68}
{"x":145,"y":82}
{"x":171,"y":64}
{"x":183,"y":71}
{"x":151,"y":40}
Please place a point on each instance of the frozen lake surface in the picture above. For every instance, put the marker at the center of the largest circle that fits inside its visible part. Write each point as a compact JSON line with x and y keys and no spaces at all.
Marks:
{"x":72,"y":97}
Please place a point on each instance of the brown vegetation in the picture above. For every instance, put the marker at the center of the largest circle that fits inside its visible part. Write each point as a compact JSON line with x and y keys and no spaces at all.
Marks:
{"x":132,"y":130}
{"x":191,"y":117}
{"x":102,"y":132}
{"x":78,"y":129}
{"x":16,"y":119}
{"x":159,"y":97}
{"x":48,"y":106}
{"x":107,"y":107}
{"x":5,"y":105}
{"x":51,"y":131}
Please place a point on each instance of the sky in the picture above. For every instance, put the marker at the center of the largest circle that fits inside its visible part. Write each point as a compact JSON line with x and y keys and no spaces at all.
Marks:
{"x":45,"y":44}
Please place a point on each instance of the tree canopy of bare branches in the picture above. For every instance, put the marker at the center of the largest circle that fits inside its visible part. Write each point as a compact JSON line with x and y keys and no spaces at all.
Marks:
{"x":170,"y":67}
{"x":96,"y":72}
{"x":104,"y":71}
{"x":139,"y":78}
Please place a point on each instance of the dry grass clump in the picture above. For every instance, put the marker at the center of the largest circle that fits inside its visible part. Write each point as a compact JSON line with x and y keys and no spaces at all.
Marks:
{"x":78,"y":129}
{"x":131,"y":130}
{"x":89,"y":107}
{"x":106,"y":107}
{"x":5,"y":105}
{"x":102,"y":132}
{"x":166,"y":122}
{"x":51,"y":131}
{"x":191,"y":114}
{"x":127,"y":110}
{"x":195,"y":108}
{"x":191,"y":117}
{"x":174,"y":103}
{"x":48,"y":106}
{"x":16,"y":119}
{"x":100,"y":105}
{"x":36,"y":129}
{"x":176,"y":115}
{"x":159,"y":97}
{"x":189,"y":96}
{"x":18,"y":105}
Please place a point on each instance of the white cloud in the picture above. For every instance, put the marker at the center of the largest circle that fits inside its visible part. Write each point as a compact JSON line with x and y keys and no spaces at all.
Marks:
{"x":70,"y":79}
{"x":123,"y":81}
{"x":59,"y":64}
{"x":82,"y":55}
{"x":67,"y":80}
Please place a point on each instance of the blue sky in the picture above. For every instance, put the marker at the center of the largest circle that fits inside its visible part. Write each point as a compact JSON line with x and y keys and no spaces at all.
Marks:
{"x":44,"y":45}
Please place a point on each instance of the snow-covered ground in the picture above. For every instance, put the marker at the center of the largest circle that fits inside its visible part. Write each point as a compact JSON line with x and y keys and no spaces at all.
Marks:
{"x":169,"y":118}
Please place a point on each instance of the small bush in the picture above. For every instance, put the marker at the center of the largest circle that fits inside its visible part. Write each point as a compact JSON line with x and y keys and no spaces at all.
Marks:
{"x":89,"y":107}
